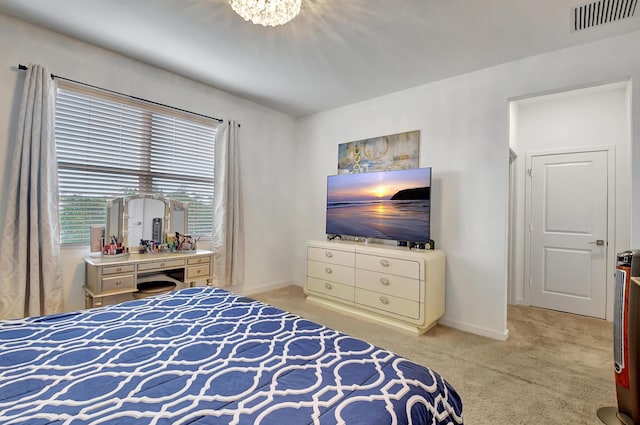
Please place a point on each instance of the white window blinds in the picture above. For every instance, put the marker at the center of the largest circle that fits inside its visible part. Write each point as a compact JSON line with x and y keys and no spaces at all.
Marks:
{"x":110,"y":146}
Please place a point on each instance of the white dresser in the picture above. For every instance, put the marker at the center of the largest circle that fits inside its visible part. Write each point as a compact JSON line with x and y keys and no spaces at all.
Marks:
{"x":392,"y":284}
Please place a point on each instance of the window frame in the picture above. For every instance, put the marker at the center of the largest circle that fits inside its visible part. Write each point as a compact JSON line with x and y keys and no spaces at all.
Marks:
{"x":151,"y":146}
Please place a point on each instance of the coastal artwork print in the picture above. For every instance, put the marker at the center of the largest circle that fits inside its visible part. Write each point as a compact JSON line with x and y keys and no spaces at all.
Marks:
{"x":383,"y":205}
{"x":393,"y":152}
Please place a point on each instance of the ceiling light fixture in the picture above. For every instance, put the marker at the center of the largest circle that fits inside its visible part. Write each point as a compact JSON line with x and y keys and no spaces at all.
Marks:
{"x":266,"y":12}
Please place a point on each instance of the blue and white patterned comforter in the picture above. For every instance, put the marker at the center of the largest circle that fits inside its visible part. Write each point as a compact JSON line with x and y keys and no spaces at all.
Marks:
{"x":207,"y":356}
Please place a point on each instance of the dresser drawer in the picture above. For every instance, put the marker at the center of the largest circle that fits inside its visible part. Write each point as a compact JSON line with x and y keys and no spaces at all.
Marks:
{"x":331,"y":272}
{"x":195,"y":272}
{"x":199,"y":260}
{"x":159,"y":265}
{"x":331,"y":289}
{"x":118,"y":269}
{"x":398,"y":286}
{"x":396,"y":266}
{"x":118,"y":283}
{"x":388,"y":303}
{"x":344,"y":258}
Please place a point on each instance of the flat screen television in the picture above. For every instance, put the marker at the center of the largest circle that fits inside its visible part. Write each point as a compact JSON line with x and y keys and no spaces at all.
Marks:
{"x":392,"y":205}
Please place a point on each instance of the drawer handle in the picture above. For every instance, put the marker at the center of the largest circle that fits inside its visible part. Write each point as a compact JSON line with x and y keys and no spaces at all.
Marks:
{"x":328,"y":270}
{"x":384,"y":300}
{"x":329,"y":254}
{"x":161,"y":264}
{"x":119,"y":269}
{"x":118,"y":282}
{"x":198,"y":271}
{"x":384,"y":263}
{"x":328,"y":285}
{"x":384,"y":281}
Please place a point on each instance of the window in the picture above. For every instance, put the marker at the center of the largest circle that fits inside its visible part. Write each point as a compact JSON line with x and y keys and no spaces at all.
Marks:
{"x":110,"y":146}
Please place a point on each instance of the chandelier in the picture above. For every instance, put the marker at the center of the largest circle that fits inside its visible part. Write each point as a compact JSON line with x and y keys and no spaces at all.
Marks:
{"x":266,"y":12}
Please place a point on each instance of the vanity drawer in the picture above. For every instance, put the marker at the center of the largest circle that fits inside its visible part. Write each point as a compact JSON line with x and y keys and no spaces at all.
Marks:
{"x":199,"y":260}
{"x":389,"y":303}
{"x":331,"y":272}
{"x":118,"y":283}
{"x":118,"y":269}
{"x":333,"y":256}
{"x":198,"y":271}
{"x":331,"y":289}
{"x":159,"y":265}
{"x":396,"y":266}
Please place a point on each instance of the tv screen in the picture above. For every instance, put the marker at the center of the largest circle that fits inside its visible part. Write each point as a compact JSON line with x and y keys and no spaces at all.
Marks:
{"x":383,"y":205}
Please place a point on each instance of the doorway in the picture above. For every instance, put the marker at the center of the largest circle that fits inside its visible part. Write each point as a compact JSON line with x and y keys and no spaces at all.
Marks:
{"x":594,"y":119}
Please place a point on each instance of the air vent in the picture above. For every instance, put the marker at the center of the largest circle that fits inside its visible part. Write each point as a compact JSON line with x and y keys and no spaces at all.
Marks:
{"x":601,"y":12}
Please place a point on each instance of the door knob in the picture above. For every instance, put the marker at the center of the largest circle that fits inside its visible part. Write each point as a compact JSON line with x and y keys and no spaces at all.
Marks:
{"x":599,"y":242}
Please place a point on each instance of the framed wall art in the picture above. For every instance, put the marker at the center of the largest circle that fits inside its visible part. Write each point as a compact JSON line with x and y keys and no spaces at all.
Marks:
{"x":392,"y":152}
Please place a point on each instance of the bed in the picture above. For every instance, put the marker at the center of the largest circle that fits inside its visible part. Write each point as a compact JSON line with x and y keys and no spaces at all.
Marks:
{"x":207,"y":356}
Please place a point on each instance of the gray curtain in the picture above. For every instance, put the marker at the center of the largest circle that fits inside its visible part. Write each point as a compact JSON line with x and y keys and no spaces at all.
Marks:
{"x":31,"y":279}
{"x":228,"y":221}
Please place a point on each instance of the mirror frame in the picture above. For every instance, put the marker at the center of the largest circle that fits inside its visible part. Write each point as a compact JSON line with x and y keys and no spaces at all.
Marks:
{"x":121,"y":206}
{"x":125,"y":215}
{"x":178,"y":206}
{"x":114,"y":220}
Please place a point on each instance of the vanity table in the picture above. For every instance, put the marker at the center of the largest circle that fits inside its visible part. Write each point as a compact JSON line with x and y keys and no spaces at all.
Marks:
{"x":107,"y":276}
{"x":154,"y":220}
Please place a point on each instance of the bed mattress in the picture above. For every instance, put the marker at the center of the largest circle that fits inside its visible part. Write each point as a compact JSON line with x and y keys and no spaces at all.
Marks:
{"x":207,"y":356}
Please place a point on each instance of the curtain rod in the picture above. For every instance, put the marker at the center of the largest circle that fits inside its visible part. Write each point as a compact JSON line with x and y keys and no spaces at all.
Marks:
{"x":24,"y":68}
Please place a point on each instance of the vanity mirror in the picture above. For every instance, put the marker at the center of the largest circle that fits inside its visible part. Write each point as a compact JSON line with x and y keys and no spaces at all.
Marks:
{"x":144,"y":217}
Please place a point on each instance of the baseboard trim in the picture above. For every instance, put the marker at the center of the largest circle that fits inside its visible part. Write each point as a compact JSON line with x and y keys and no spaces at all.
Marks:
{"x":264,"y":288}
{"x":475,"y":329}
{"x":489,"y":333}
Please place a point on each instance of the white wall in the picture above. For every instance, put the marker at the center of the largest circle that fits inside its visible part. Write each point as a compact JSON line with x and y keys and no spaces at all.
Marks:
{"x":266,"y":138}
{"x":464,"y":137}
{"x":596,"y":117}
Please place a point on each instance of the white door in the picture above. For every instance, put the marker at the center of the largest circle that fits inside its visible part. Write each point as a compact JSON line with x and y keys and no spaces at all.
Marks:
{"x":568,"y":243}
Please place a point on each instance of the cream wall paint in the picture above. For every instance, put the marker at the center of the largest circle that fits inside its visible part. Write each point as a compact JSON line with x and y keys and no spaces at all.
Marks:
{"x":266,"y":138}
{"x":596,"y":117}
{"x":464,"y":124}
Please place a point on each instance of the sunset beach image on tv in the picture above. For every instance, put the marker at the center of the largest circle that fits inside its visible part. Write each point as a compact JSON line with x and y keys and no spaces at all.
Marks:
{"x":383,"y":205}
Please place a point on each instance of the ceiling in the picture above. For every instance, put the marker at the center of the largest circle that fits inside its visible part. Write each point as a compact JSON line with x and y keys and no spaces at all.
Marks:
{"x":336,"y":52}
